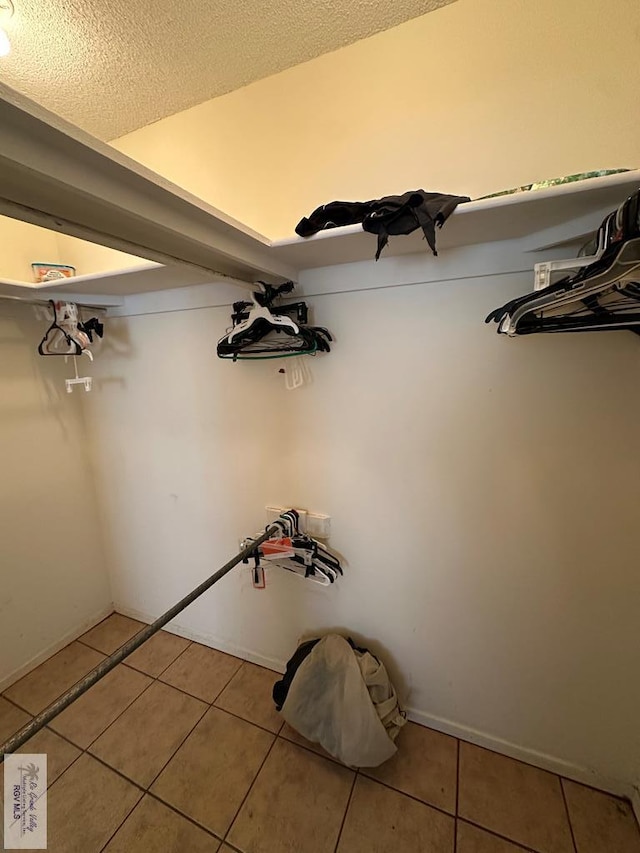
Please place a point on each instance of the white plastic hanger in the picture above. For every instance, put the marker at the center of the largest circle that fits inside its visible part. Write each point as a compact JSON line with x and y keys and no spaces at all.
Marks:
{"x":544,"y":269}
{"x":87,"y":381}
{"x":625,"y":268}
{"x":64,"y":337}
{"x":279,"y":556}
{"x":259,"y":311}
{"x":296,"y":373}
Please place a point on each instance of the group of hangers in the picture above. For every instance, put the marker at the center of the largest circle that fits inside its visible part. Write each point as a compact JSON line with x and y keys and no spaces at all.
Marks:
{"x":264,"y":329}
{"x":296,"y":552}
{"x":68,"y":333}
{"x":602,"y":296}
{"x":70,"y":336}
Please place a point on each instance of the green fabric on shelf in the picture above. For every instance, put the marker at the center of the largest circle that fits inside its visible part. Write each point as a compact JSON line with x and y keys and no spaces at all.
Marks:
{"x":554,"y":182}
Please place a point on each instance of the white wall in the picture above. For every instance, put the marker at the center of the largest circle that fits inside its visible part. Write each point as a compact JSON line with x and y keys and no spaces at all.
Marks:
{"x":88,"y":258}
{"x":53,"y":576}
{"x":483,"y":491}
{"x":189,"y":450}
{"x":22,"y":244}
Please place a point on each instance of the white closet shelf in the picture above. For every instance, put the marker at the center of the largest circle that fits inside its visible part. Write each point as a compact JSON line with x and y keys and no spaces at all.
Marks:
{"x":579,"y":207}
{"x":487,"y":220}
{"x":55,"y":175}
{"x":110,"y":287}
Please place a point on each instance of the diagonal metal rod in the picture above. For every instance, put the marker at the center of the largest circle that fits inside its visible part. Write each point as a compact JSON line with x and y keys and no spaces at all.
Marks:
{"x":105,"y":666}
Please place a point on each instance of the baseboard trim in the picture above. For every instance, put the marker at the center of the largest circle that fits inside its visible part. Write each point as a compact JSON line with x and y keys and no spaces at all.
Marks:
{"x":211,"y":640}
{"x":42,"y":656}
{"x":521,"y":753}
{"x":529,"y":756}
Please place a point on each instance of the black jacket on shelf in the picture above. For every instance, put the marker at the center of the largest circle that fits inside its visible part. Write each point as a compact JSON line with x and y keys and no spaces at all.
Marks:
{"x":393,"y":214}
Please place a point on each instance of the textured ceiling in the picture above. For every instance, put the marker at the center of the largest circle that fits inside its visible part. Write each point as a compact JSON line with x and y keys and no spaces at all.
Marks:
{"x":112,"y":66}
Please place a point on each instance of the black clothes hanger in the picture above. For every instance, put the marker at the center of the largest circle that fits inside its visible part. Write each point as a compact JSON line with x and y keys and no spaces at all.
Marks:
{"x":601,"y":296}
{"x":298,"y":312}
{"x":68,"y":326}
{"x":61,"y":329}
{"x":300,"y":552}
{"x":598,"y":288}
{"x":264,"y":329}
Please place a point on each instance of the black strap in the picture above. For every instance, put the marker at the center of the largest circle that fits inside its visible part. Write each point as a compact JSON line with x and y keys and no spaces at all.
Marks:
{"x":91,"y":326}
{"x":281,"y":688}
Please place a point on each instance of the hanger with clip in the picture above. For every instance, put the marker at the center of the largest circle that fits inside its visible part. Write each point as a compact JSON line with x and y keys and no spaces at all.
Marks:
{"x":613,"y":273}
{"x":600,"y":295}
{"x":67,"y":328}
{"x":261,"y":312}
{"x":87,"y":381}
{"x":63,"y":330}
{"x":69,"y":336}
{"x":267,"y":331}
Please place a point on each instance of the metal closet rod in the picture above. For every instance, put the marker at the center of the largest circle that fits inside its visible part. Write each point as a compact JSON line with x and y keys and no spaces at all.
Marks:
{"x":44,"y":717}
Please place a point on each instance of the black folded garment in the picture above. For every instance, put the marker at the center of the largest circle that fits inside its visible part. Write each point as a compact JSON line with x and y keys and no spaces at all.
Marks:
{"x":393,"y":214}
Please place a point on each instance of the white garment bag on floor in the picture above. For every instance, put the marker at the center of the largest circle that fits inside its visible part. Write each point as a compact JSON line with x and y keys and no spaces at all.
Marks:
{"x":342,"y":698}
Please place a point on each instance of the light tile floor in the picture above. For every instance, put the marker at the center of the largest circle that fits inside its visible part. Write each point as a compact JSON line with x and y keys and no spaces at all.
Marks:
{"x":179,"y":750}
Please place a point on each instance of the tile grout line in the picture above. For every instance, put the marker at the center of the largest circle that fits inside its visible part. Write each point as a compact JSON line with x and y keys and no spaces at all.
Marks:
{"x":186,"y":692}
{"x":253,"y":782}
{"x":199,"y":720}
{"x":211,"y":704}
{"x":188,"y":734}
{"x":269,"y":731}
{"x":118,"y":773}
{"x":153,"y":680}
{"x":180,"y":690}
{"x":122,"y":822}
{"x":175,"y":809}
{"x":276,"y":735}
{"x":85,"y":750}
{"x":94,"y":649}
{"x":156,"y":678}
{"x":87,"y":646}
{"x":146,"y":791}
{"x":15,"y":704}
{"x":404,"y":793}
{"x":219,"y":694}
{"x":568,"y":814}
{"x":346,"y":810}
{"x":242,"y":662}
{"x":135,"y":699}
{"x":115,"y":720}
{"x":312,"y":751}
{"x":518,"y":846}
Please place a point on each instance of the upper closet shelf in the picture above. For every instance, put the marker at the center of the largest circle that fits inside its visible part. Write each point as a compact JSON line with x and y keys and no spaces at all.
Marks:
{"x":534,"y":213}
{"x":54,"y":175}
{"x":107,"y":288}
